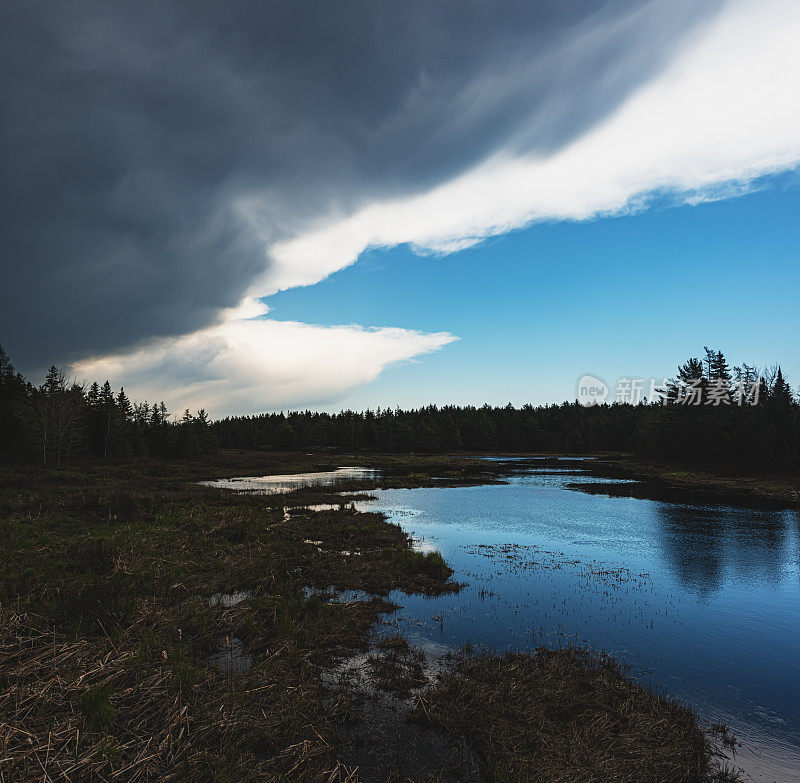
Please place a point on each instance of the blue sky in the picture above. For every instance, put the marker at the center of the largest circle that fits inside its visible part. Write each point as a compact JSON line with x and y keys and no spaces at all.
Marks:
{"x":537,"y":308}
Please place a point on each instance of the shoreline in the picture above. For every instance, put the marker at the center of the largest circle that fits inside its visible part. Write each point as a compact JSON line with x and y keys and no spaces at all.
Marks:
{"x":669,"y":482}
{"x":140,"y":606}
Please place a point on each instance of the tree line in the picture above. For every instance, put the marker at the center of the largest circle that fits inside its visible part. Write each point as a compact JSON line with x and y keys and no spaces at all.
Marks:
{"x":61,"y":420}
{"x":709,"y":414}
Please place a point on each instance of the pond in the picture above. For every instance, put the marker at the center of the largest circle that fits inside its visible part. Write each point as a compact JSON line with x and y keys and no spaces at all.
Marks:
{"x":277,"y":485}
{"x":702,"y":601}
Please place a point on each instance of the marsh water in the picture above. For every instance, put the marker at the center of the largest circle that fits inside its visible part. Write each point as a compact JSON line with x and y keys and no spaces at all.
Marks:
{"x":279,"y":484}
{"x":702,"y":601}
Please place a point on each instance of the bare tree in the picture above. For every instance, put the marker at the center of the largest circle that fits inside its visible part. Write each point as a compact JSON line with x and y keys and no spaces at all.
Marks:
{"x":60,"y":414}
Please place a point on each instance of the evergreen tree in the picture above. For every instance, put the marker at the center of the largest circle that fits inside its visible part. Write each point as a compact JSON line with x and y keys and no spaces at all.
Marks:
{"x":718,"y":367}
{"x":781,"y":393}
{"x":93,"y":395}
{"x":691,"y":370}
{"x":108,"y":412}
{"x":16,"y":435}
{"x":124,"y":406}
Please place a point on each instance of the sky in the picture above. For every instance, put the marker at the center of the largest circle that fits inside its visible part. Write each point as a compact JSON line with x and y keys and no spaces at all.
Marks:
{"x":261,"y":206}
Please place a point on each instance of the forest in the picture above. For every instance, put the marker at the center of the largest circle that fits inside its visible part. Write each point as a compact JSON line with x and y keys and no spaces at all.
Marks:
{"x":62,"y":420}
{"x":709,"y":414}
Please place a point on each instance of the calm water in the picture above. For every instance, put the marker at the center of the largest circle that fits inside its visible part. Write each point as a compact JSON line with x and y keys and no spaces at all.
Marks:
{"x":702,"y":601}
{"x":277,"y":485}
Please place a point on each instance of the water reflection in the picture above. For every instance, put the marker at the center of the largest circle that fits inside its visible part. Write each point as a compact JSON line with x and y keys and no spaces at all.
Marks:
{"x":702,"y":601}
{"x":279,"y":484}
{"x":230,"y":656}
{"x":707,"y":545}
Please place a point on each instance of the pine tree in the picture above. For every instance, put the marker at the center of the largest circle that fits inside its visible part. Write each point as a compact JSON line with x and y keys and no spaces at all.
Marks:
{"x":719,"y":374}
{"x":691,"y":370}
{"x":690,"y":373}
{"x":108,"y":413}
{"x":720,"y":371}
{"x":781,"y":392}
{"x":93,"y":395}
{"x":16,"y":437}
{"x":124,"y":405}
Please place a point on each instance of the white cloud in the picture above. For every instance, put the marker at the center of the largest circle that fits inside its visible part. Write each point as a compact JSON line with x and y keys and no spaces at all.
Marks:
{"x":726,"y":110}
{"x":246,"y":365}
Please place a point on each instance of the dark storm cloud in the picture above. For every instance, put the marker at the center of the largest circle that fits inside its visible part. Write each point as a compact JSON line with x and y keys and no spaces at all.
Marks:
{"x":130,"y":128}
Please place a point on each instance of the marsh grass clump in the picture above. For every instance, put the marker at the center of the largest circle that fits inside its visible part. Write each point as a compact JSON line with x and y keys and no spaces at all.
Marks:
{"x":292,"y":613}
{"x":95,"y":704}
{"x":435,"y":566}
{"x":567,"y":715}
{"x":184,"y":676}
{"x":108,"y":749}
{"x":397,"y":642}
{"x":430,"y":564}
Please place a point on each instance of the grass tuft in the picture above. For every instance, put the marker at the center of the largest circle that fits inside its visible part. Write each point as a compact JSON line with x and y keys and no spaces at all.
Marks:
{"x":95,"y":704}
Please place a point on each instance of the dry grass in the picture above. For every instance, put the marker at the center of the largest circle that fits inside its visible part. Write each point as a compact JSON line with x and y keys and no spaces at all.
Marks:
{"x":107,"y":633}
{"x":123,"y":708}
{"x":567,"y":716}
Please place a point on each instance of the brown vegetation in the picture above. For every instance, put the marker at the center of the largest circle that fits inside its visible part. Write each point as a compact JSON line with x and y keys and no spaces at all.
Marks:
{"x":567,"y":716}
{"x":154,"y":629}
